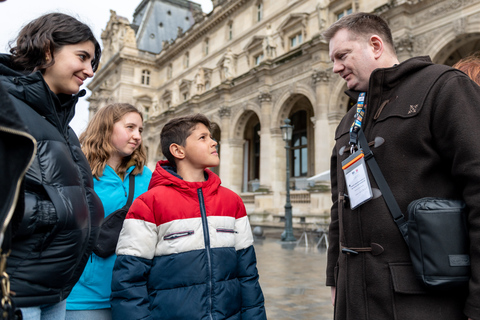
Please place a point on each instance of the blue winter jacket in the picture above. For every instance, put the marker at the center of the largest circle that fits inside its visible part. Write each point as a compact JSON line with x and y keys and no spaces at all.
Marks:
{"x":92,"y":291}
{"x":186,"y":253}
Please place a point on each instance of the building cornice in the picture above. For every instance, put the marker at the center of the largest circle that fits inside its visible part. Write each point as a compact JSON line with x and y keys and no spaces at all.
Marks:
{"x":199,"y":30}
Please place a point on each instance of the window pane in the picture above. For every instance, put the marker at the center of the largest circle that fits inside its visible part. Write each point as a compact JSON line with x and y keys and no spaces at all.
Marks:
{"x":296,"y":162}
{"x":304,"y":161}
{"x":296,"y":140}
{"x":304,"y":139}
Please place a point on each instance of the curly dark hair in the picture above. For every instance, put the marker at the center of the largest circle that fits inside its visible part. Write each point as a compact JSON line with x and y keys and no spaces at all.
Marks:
{"x":49,"y":33}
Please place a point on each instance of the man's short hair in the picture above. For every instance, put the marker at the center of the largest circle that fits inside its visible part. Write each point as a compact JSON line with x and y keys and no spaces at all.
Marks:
{"x":177,"y":131}
{"x":362,"y":24}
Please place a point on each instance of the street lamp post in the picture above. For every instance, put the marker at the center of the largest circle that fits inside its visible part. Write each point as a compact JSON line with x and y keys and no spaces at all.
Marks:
{"x":287,"y":234}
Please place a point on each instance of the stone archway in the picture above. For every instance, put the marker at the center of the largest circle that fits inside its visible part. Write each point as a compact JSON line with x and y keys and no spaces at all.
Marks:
{"x":244,"y":142}
{"x":299,"y":109}
{"x":458,"y":48}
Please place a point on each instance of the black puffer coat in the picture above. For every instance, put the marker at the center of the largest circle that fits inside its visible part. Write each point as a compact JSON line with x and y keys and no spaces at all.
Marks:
{"x":62,"y":212}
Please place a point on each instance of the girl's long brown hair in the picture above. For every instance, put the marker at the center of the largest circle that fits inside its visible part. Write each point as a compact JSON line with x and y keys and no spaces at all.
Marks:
{"x":471,"y":66}
{"x":96,"y":140}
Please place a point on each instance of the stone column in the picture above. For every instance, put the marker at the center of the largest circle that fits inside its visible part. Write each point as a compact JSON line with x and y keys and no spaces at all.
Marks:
{"x":323,"y":135}
{"x":266,"y":164}
{"x":231,"y":151}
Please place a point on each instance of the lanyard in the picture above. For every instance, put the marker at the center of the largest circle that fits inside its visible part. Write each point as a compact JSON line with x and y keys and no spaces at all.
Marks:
{"x":357,"y":122}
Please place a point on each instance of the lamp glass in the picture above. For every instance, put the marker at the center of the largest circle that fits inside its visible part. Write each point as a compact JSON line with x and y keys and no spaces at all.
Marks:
{"x":287,"y":130}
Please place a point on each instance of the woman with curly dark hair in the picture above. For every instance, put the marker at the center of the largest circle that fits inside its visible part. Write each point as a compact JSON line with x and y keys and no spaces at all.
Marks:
{"x":52,"y":239}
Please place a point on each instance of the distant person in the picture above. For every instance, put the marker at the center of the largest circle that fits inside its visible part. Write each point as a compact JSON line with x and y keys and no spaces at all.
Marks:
{"x":427,"y":115}
{"x":52,"y":57}
{"x":471,"y":66}
{"x":186,"y":247}
{"x":113,"y":146}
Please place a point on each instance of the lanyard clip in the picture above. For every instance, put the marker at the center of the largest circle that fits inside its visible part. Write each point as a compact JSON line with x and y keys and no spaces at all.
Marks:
{"x":353,"y":148}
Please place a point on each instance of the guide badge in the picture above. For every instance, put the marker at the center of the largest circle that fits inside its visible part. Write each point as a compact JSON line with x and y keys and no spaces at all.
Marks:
{"x":356,"y":179}
{"x":354,"y":168}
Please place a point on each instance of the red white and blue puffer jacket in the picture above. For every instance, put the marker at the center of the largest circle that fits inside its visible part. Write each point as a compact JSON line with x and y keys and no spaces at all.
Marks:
{"x":186,"y":252}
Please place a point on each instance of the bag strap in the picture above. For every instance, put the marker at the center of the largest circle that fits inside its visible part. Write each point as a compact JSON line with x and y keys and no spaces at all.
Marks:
{"x":392,"y":204}
{"x":131,"y":190}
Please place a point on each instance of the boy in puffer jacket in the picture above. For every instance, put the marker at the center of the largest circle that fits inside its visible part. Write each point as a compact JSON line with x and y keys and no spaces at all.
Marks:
{"x":186,"y":247}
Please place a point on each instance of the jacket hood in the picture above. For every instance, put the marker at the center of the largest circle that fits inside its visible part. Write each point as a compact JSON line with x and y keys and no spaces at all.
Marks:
{"x":32,"y":89}
{"x":166,"y":175}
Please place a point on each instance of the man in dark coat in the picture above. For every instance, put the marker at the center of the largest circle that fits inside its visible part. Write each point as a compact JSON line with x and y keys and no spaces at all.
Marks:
{"x":428,"y":117}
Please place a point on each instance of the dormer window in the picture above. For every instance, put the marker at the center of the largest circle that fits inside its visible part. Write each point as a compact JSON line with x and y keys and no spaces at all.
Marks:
{"x":205,"y":46}
{"x":230,"y":30}
{"x":257,"y":59}
{"x":146,"y":77}
{"x":293,"y":30}
{"x":296,"y":40}
{"x":259,"y":11}
{"x":345,"y":12}
{"x":186,"y":60}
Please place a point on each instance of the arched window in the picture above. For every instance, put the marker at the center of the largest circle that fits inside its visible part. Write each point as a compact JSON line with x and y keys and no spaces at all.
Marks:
{"x":252,"y":149}
{"x":146,"y":77}
{"x":299,"y":144}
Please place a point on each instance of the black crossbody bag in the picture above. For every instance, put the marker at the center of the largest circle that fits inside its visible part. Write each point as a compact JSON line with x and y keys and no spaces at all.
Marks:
{"x":112,"y":225}
{"x":436,"y":233}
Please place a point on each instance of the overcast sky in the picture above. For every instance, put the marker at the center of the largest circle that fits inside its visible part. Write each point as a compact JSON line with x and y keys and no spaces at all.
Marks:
{"x":16,"y":13}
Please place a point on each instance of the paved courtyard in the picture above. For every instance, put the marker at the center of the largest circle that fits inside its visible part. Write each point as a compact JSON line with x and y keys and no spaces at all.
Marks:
{"x":293,"y":279}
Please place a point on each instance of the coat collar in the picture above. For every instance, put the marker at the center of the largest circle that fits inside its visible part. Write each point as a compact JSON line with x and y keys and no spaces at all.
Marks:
{"x":32,"y":89}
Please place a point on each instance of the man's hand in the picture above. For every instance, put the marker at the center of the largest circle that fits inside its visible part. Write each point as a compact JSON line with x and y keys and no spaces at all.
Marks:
{"x":333,"y":290}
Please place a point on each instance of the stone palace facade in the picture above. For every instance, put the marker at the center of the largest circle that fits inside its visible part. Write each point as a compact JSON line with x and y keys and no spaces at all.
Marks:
{"x":250,"y":64}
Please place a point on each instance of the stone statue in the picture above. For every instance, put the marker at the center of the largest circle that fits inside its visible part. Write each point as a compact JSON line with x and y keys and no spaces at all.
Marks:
{"x":200,"y":80}
{"x":228,"y":70}
{"x":269,"y":46}
{"x":322,"y":14}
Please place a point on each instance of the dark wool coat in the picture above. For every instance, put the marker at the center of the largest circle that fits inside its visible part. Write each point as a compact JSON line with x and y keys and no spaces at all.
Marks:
{"x":429,"y":117}
{"x":62,"y":212}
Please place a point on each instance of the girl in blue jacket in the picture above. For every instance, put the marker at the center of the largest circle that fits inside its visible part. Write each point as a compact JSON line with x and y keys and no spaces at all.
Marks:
{"x":113,"y":146}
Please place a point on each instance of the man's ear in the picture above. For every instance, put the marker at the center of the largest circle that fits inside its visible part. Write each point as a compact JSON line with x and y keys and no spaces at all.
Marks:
{"x":177,"y":151}
{"x":376,"y":43}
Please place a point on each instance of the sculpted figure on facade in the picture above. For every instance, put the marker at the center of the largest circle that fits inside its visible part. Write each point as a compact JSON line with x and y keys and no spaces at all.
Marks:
{"x":130,"y":40}
{"x":200,"y":81}
{"x":117,"y":34}
{"x":269,"y":46}
{"x":176,"y":93}
{"x":322,"y":14}
{"x":228,"y":65}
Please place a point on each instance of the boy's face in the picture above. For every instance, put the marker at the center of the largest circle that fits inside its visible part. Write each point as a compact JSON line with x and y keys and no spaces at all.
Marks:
{"x":200,"y":148}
